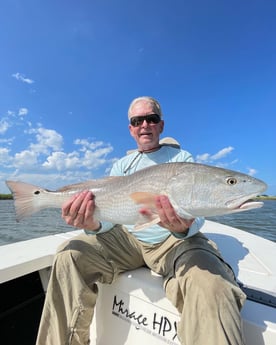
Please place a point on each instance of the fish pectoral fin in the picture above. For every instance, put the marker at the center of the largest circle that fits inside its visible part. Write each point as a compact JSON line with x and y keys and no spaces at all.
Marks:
{"x":145,"y":223}
{"x":149,"y":215}
{"x":145,"y":198}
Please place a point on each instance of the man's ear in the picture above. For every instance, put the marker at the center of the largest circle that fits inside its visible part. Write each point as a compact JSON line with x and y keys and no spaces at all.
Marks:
{"x":161,"y":126}
{"x":130,"y":130}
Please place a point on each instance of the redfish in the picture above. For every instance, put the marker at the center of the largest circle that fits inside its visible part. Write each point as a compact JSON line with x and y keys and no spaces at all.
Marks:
{"x":193,"y":189}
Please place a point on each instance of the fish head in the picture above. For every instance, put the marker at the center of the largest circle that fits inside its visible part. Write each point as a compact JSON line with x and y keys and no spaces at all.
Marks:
{"x":243,"y":189}
{"x":211,"y":191}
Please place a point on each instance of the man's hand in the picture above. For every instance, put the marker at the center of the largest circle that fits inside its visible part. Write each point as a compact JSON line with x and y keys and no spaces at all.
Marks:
{"x":79,"y":211}
{"x":169,"y":218}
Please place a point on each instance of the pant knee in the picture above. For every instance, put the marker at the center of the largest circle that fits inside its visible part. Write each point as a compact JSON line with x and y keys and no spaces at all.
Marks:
{"x":206,"y":277}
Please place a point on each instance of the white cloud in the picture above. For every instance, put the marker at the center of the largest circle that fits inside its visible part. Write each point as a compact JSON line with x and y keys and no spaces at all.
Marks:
{"x":38,"y":151}
{"x":23,"y":111}
{"x":203,"y":158}
{"x":51,"y":180}
{"x":4,"y":125}
{"x":25,"y":159}
{"x":47,"y":140}
{"x":77,"y":160}
{"x":62,"y":161}
{"x":208,"y":158}
{"x":95,"y":158}
{"x":86,"y":144}
{"x":222,"y":153}
{"x":22,"y":78}
{"x":252,"y":171}
{"x":6,"y":141}
{"x":4,"y":156}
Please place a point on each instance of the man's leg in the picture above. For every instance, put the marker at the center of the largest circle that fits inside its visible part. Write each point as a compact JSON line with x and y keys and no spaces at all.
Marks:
{"x":72,"y":289}
{"x":204,"y":291}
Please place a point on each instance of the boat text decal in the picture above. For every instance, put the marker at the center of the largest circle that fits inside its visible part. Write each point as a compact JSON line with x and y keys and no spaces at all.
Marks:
{"x":155,"y":324}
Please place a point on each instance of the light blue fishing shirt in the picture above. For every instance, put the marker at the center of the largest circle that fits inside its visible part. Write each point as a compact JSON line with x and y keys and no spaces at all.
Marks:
{"x":136,"y":161}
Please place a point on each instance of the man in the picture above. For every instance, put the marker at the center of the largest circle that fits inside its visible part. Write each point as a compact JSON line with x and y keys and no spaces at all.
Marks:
{"x":196,"y":279}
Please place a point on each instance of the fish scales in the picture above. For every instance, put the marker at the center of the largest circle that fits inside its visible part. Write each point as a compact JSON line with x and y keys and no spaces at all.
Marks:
{"x":114,"y":200}
{"x":193,"y":189}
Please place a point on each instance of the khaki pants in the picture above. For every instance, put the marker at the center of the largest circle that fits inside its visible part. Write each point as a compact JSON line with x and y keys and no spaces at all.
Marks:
{"x":196,"y":280}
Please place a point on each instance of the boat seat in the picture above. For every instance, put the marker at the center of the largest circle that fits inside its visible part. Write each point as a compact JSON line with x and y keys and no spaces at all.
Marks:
{"x":136,"y":310}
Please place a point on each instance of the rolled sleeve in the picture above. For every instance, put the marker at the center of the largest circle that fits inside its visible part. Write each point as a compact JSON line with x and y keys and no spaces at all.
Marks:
{"x":194,"y":228}
{"x":105,"y":226}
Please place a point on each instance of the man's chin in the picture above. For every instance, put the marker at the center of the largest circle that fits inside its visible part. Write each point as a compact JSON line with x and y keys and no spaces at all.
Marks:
{"x":147,"y":138}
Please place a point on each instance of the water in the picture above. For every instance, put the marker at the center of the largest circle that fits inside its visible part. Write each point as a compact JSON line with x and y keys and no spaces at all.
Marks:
{"x":44,"y":223}
{"x":260,"y":221}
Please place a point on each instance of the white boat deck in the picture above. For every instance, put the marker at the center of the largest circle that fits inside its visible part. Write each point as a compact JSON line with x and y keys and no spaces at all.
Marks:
{"x":251,"y":257}
{"x":29,"y":256}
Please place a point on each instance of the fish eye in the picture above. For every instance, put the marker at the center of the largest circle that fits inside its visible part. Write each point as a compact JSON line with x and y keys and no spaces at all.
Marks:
{"x":37,"y":192}
{"x":231,"y":181}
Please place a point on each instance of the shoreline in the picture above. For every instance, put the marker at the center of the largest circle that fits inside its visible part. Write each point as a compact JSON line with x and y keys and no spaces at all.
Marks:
{"x":265,"y":197}
{"x":6,"y":197}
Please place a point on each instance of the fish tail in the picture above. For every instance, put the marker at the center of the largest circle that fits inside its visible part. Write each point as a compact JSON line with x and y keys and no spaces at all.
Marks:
{"x":27,"y":198}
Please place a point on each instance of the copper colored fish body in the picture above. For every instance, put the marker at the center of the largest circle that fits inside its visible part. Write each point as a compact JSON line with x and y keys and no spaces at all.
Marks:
{"x":193,"y":189}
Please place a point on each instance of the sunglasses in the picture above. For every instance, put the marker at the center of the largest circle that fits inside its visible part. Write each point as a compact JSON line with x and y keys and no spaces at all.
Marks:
{"x":136,"y":121}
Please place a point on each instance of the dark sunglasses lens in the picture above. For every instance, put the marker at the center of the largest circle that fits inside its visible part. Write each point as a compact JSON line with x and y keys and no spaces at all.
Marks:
{"x":154,"y":118}
{"x":138,"y":120}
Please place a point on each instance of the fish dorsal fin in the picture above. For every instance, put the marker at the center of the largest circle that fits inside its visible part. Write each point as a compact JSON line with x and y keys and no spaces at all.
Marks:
{"x":76,"y":186}
{"x":89,"y":184}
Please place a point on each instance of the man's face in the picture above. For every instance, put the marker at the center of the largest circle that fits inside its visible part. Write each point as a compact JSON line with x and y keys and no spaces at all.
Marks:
{"x":147,"y":133}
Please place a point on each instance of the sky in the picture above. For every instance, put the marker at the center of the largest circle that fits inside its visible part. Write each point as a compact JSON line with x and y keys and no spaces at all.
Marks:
{"x":70,"y":68}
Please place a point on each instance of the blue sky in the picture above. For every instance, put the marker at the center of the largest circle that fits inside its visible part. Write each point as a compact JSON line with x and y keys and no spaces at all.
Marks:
{"x":69,"y":70}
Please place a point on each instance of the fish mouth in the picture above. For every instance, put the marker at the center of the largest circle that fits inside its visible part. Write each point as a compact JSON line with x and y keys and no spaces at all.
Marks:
{"x":249,"y":205}
{"x":244,"y":204}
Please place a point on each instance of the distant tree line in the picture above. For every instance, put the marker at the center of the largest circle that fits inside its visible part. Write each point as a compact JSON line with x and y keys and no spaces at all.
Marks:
{"x":5,"y":196}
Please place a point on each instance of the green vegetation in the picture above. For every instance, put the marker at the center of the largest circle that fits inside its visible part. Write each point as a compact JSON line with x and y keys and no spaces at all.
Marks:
{"x":5,"y":196}
{"x":265,"y":197}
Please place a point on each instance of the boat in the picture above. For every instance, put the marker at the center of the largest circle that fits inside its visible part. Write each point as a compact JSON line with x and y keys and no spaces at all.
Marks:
{"x":135,"y":307}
